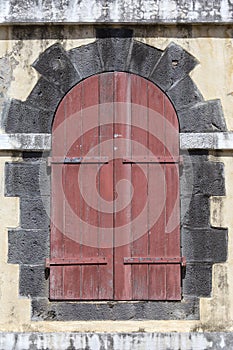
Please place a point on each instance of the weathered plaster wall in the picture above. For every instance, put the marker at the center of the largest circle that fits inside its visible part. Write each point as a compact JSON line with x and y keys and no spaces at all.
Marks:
{"x":212,"y":46}
{"x":218,"y":311}
{"x":120,"y":11}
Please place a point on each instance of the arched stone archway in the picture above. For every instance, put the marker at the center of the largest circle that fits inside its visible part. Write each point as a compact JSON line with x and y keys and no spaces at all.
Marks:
{"x":115,"y":50}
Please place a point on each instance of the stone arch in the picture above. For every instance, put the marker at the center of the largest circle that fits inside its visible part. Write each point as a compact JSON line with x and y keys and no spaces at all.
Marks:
{"x":60,"y":70}
{"x":114,"y":50}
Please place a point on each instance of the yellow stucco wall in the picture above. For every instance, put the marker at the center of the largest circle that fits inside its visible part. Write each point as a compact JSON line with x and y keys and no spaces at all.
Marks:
{"x":213,"y":47}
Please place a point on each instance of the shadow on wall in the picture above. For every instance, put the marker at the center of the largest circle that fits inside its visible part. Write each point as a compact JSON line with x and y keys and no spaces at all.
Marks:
{"x":72,"y":32}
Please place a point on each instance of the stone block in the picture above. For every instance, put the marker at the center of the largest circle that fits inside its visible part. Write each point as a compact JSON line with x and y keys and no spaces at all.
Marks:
{"x":55,"y":66}
{"x":204,"y":245}
{"x":86,"y":60}
{"x":73,"y":311}
{"x":203,"y":117}
{"x":199,"y":176}
{"x":184,"y":93}
{"x":197,"y":214}
{"x":44,"y":96}
{"x":23,"y":118}
{"x":26,"y":179}
{"x":33,"y":213}
{"x":143,"y":59}
{"x":114,"y":46}
{"x":174,"y":65}
{"x":28,"y":246}
{"x":187,"y":309}
{"x":209,"y":178}
{"x":198,"y":280}
{"x":33,"y":281}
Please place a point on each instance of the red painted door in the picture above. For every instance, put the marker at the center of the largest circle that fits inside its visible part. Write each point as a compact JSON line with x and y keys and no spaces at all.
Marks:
{"x":115,"y":231}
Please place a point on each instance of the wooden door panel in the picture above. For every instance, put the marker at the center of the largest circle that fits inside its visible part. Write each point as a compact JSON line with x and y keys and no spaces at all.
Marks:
{"x":128,"y":130}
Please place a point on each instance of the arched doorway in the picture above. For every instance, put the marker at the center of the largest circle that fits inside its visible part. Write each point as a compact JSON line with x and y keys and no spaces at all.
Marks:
{"x":115,"y":231}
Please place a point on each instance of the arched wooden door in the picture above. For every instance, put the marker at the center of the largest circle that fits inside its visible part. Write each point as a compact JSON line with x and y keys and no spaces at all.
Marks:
{"x":115,"y":231}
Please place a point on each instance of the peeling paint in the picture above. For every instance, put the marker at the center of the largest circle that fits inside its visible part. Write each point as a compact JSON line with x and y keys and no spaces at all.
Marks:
{"x":7,"y":65}
{"x":101,"y":11}
{"x":111,"y":341}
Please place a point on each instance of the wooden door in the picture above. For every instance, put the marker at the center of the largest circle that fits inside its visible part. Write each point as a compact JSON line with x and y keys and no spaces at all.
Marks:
{"x":115,"y":231}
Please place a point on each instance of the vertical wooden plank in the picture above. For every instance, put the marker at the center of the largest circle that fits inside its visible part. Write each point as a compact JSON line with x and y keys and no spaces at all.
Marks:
{"x":73,"y":231}
{"x":157,"y":273}
{"x":56,"y":283}
{"x":90,"y":274}
{"x":72,"y":198}
{"x":57,"y":214}
{"x":122,"y":217}
{"x":173,"y":278}
{"x":106,"y":110}
{"x":173,"y":275}
{"x":139,"y":247}
{"x":56,"y":235}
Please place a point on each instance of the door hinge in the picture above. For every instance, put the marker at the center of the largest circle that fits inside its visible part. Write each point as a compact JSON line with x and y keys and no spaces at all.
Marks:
{"x":74,"y":261}
{"x":155,"y":260}
{"x":77,"y":160}
{"x":154,"y":159}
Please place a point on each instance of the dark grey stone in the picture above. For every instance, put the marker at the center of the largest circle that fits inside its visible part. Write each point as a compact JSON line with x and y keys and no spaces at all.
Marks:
{"x":86,"y":60}
{"x":184,"y":93}
{"x":108,"y":32}
{"x":28,"y":246}
{"x":198,"y":280}
{"x":143,"y":59}
{"x":62,"y":311}
{"x":23,"y":118}
{"x":198,"y":213}
{"x":200,"y":176}
{"x":33,"y":213}
{"x":209,"y":178}
{"x":174,"y":65}
{"x":26,"y":179}
{"x":55,"y":66}
{"x":35,"y":157}
{"x":32,"y":281}
{"x":199,"y":155}
{"x":186,"y":309}
{"x":114,"y":47}
{"x":202,"y":117}
{"x":204,"y":245}
{"x":44,"y":96}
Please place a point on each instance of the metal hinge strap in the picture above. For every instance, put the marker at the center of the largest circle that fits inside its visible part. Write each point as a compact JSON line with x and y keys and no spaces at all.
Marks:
{"x":77,"y":160}
{"x":154,"y":160}
{"x":81,"y":261}
{"x":155,"y":260}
